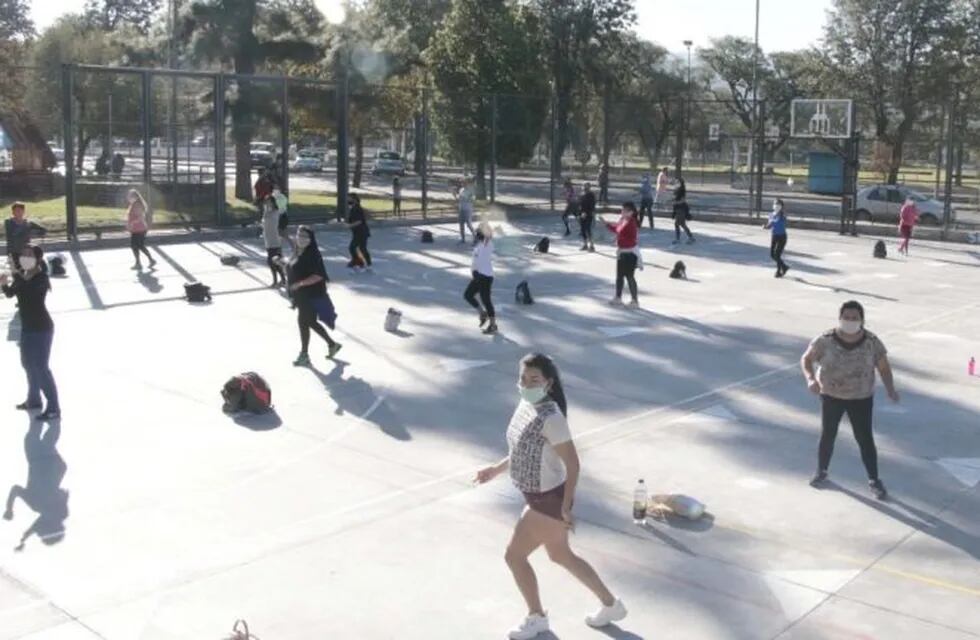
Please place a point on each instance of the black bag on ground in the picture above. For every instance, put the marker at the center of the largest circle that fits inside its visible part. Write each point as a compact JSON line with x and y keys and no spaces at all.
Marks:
{"x":523,"y":294}
{"x":543,"y":245}
{"x":880,"y":250}
{"x":229,"y":259}
{"x":246,"y":392}
{"x":427,"y":237}
{"x":679,"y":272}
{"x":197,"y":292}
{"x":56,"y":265}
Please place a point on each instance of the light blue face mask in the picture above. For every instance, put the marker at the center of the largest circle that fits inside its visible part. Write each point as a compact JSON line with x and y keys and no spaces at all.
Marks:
{"x":534,"y":395}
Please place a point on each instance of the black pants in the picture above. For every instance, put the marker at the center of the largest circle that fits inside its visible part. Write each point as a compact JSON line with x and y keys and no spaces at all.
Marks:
{"x":275,"y":267}
{"x":307,"y":320}
{"x":586,"y":221}
{"x":603,"y":192}
{"x":137,"y":242}
{"x":646,"y":209}
{"x":860,"y":413}
{"x":680,"y":222}
{"x":396,"y":207}
{"x":776,"y":251}
{"x":626,"y":270}
{"x":480,"y":284}
{"x":358,"y":250}
{"x":571,"y":211}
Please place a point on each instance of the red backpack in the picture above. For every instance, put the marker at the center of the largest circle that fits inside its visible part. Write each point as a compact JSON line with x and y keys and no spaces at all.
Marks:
{"x":246,"y":392}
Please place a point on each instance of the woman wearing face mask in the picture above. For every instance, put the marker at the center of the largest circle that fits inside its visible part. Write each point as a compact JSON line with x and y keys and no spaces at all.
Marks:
{"x":482,"y":281}
{"x":138,"y":226}
{"x":681,"y":213}
{"x":544,"y":466}
{"x":846,"y":359}
{"x":777,"y":222}
{"x":627,"y":231}
{"x":31,"y":285}
{"x":308,"y":283}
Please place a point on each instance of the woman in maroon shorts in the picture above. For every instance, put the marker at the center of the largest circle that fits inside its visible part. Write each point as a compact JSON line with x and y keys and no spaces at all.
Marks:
{"x":544,"y":466}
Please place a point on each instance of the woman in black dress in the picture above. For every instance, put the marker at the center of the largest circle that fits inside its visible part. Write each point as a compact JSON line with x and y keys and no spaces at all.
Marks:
{"x":308,"y":284}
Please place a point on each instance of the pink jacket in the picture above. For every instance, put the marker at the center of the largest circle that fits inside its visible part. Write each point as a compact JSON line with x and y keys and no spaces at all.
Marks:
{"x":136,"y":218}
{"x":908,"y":215}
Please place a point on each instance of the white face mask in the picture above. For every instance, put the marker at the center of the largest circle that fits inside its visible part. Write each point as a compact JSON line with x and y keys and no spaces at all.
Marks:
{"x":850,"y":326}
{"x":534,"y":395}
{"x":302,"y":242}
{"x":28,"y":262}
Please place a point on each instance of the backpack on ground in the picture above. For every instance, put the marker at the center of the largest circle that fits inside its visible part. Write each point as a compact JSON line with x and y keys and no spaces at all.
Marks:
{"x":543,"y":245}
{"x":880,"y":250}
{"x":523,"y":294}
{"x":679,"y":272}
{"x":427,"y":237}
{"x":246,"y":392}
{"x":229,"y":259}
{"x":197,"y":292}
{"x":240,"y":632}
{"x":56,"y":265}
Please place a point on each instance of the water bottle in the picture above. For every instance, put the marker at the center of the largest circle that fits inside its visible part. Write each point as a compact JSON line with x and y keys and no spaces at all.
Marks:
{"x":971,"y":368}
{"x":640,"y":503}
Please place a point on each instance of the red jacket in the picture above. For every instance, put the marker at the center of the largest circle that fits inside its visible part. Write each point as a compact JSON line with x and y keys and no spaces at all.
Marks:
{"x":626,"y":232}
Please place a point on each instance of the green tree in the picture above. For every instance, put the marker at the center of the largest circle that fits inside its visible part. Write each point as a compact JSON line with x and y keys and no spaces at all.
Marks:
{"x":15,"y":20}
{"x":250,"y":36}
{"x":506,"y":60}
{"x":112,"y":14}
{"x":16,"y":29}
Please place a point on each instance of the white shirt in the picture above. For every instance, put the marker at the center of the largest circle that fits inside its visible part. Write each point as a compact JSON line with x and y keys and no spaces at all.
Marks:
{"x":483,"y":258}
{"x":532,"y":435}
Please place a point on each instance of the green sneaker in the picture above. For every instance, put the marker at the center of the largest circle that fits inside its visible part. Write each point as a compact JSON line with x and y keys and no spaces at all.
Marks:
{"x":334,"y":348}
{"x":302,"y":361}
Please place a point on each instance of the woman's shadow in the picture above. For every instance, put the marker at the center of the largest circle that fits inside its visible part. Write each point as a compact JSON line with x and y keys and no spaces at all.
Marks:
{"x":42,"y":493}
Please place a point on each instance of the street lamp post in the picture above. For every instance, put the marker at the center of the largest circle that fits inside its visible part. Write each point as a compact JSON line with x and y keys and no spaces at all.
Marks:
{"x":686,"y":120}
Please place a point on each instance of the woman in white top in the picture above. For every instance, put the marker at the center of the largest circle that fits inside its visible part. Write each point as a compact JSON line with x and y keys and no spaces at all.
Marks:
{"x":465,"y":197}
{"x":482,"y":281}
{"x":544,"y":466}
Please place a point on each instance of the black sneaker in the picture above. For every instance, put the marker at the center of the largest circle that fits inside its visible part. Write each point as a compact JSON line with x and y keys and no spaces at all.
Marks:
{"x":818,"y":479}
{"x":878,"y":489}
{"x":491,"y":329}
{"x":785,"y":269}
{"x":49,"y":415}
{"x":483,"y":318}
{"x":26,"y":406}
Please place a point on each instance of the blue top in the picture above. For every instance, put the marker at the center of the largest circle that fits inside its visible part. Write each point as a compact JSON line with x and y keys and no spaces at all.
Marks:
{"x":777,"y":222}
{"x":646,"y":188}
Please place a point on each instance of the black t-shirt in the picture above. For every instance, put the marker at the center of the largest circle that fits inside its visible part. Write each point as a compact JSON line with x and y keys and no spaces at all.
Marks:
{"x":31,"y":294}
{"x":308,"y":263}
{"x":588,"y":203}
{"x":356,"y":214}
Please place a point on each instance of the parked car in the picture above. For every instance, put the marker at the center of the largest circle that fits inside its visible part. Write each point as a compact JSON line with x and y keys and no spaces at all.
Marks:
{"x":262,"y":154}
{"x":306,"y":160}
{"x":323,"y":153}
{"x":882,"y":203}
{"x":388,"y":162}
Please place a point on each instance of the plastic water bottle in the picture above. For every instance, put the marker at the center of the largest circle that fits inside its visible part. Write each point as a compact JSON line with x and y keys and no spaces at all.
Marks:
{"x":971,"y":368}
{"x":640,"y":503}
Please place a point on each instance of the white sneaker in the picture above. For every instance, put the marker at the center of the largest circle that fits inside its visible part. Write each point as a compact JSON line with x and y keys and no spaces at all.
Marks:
{"x":607,"y":615}
{"x":634,"y":304}
{"x":530,"y":628}
{"x":616,"y":302}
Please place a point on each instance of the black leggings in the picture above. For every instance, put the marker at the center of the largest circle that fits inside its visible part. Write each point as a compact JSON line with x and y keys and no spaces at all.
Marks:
{"x":307,"y":320}
{"x":776,"y":251}
{"x":358,"y":243}
{"x":646,"y":209}
{"x":585,"y":224}
{"x":571,"y":210}
{"x":860,"y":413}
{"x":626,"y":270}
{"x":480,"y":284}
{"x":275,"y":267}
{"x":137,"y":242}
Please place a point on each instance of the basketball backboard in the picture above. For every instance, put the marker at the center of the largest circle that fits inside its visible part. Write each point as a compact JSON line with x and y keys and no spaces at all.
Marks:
{"x":820,"y":119}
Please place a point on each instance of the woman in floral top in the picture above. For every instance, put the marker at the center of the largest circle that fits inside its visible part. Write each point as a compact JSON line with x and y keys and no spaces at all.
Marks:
{"x":544,"y":466}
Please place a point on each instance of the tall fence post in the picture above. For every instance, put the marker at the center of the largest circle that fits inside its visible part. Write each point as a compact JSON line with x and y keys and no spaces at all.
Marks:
{"x":343,"y":145}
{"x":554,"y":162}
{"x":760,"y":157}
{"x":146,"y":124}
{"x":219,"y":146}
{"x":681,"y":131}
{"x":71,"y":213}
{"x":284,"y":135}
{"x":424,"y":123}
{"x":493,"y":148}
{"x":948,"y":199}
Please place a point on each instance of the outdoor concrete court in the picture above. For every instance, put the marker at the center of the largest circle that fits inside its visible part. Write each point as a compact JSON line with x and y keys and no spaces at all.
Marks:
{"x":349,"y":513}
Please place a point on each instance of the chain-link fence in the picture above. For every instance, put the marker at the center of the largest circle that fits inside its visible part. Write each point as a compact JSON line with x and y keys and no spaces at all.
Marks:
{"x":75,"y":140}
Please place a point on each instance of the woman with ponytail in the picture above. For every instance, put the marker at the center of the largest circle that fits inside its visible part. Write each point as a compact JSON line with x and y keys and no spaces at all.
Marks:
{"x":544,"y":466}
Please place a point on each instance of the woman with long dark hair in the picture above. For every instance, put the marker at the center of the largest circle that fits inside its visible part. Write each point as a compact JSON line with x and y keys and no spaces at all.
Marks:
{"x":360,"y":257}
{"x":308,"y":284}
{"x":682,"y":212}
{"x":627,"y":230}
{"x":544,"y":466}
{"x":30,"y":284}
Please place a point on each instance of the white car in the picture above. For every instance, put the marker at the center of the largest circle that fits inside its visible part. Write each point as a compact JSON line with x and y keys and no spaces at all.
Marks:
{"x":882,"y":203}
{"x":388,"y":162}
{"x":306,"y":161}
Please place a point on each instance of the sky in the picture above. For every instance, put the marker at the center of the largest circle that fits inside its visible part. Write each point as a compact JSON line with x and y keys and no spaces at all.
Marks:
{"x":783,"y":24}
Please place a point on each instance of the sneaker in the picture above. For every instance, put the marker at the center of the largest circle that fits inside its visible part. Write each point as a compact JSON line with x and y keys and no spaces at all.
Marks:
{"x":691,"y":240}
{"x":878,"y":489}
{"x":153,"y":263}
{"x":785,"y":269}
{"x":778,"y":274}
{"x":818,"y":479}
{"x":616,"y":302}
{"x":333,"y":350}
{"x":532,"y":625}
{"x":137,"y":267}
{"x":28,"y":406}
{"x":483,"y":318}
{"x":303,"y":360}
{"x":634,"y":304}
{"x":607,"y":615}
{"x":568,"y":232}
{"x":591,"y":248}
{"x":584,"y":247}
{"x":54,"y":414}
{"x":491,"y":328}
